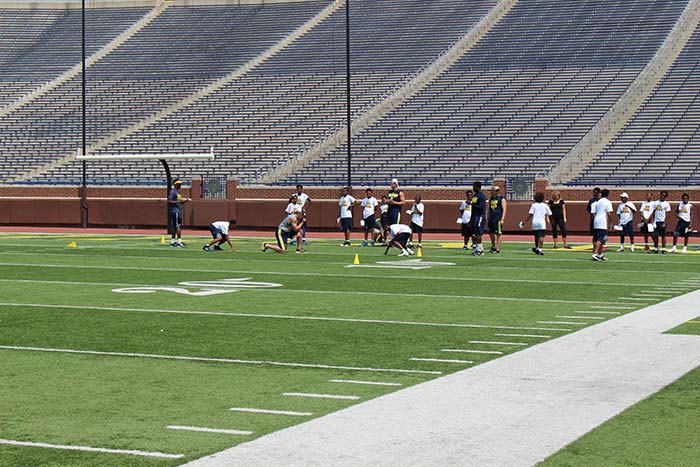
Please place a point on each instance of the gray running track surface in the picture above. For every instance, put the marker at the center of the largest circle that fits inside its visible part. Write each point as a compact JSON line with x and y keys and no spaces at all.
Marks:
{"x":513,"y":411}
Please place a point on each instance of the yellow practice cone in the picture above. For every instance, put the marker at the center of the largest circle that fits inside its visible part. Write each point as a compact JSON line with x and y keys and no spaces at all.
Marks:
{"x":419,"y":253}
{"x":357,"y":259}
{"x":162,"y":239}
{"x":72,"y":245}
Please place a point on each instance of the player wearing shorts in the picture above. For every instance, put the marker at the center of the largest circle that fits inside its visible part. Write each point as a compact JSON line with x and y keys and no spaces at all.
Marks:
{"x":602,"y":218}
{"x":661,"y":209}
{"x":303,"y":202}
{"x":346,"y":203}
{"x":219,"y":232}
{"x":647,"y":213}
{"x":478,"y":221}
{"x":498,"y":207}
{"x":589,"y":209}
{"x":625,"y":212}
{"x":398,"y":238}
{"x":684,"y":215}
{"x":539,"y":213}
{"x":416,"y":212}
{"x":395,"y":200}
{"x":175,"y":202}
{"x":465,"y":212}
{"x":383,"y":218}
{"x":369,"y":206}
{"x":290,"y":227}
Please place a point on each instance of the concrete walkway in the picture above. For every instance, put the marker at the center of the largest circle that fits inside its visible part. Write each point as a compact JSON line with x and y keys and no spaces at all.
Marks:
{"x":512,"y":411}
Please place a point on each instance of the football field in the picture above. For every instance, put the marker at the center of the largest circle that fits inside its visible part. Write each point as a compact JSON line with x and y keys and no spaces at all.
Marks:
{"x":123,"y":351}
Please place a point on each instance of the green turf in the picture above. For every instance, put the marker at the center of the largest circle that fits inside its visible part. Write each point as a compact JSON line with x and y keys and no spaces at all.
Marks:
{"x":659,"y":431}
{"x":54,"y":297}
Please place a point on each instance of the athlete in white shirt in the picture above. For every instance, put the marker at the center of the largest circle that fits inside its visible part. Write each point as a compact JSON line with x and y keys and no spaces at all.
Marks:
{"x":661,"y":209}
{"x":602,"y":219}
{"x":219,"y":231}
{"x":539,"y":213}
{"x":303,"y":203}
{"x":398,"y":237}
{"x":416,"y":212}
{"x":346,"y":203}
{"x":292,"y":205}
{"x":647,"y":213}
{"x":369,"y":207}
{"x":625,"y":212}
{"x":684,"y":215}
{"x":465,"y":211}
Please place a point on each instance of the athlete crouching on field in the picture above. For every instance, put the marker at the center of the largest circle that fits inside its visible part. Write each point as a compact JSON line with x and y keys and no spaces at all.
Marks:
{"x":290,"y":227}
{"x":398,"y":237}
{"x":219,"y":231}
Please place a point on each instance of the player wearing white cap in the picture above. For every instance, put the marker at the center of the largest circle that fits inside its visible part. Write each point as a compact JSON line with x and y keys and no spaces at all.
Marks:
{"x":625,"y":212}
{"x":395,"y":200}
{"x":684,"y":215}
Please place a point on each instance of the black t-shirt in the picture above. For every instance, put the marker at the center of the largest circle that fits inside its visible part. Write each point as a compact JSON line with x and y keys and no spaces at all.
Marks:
{"x":394,"y":195}
{"x":557,"y":208}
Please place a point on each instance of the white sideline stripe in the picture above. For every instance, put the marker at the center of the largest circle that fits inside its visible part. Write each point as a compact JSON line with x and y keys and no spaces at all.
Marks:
{"x":438,"y":360}
{"x":501,"y":343}
{"x":162,"y":455}
{"x":582,"y":317}
{"x":218,"y":360}
{"x":653,"y":294}
{"x":562,"y":322}
{"x":273,"y":412}
{"x":371,"y":383}
{"x":523,"y":335}
{"x":598,"y":312}
{"x":209,"y":430}
{"x":490,"y":352}
{"x":639,"y":299}
{"x":321,"y":396}
{"x":254,"y":315}
{"x":614,"y":307}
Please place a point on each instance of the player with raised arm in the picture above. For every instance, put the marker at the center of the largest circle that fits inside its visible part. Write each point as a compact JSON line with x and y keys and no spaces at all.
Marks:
{"x":290,"y":227}
{"x":684,"y":215}
{"x":175,"y":202}
{"x":661,"y":209}
{"x":602,"y":219}
{"x":220,"y":233}
{"x":625,"y":213}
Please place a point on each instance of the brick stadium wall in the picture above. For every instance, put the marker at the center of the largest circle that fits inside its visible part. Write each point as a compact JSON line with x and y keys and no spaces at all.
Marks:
{"x":260,"y":207}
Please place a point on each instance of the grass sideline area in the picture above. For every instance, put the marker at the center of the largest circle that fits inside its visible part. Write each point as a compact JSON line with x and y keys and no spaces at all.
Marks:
{"x":109,"y":343}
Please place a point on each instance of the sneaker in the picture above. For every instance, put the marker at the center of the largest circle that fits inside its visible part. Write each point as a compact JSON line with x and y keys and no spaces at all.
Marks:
{"x":404,"y":253}
{"x":663,"y":251}
{"x":263,"y":247}
{"x":410,"y":251}
{"x":303,"y":241}
{"x":540,"y":252}
{"x":293,"y":242}
{"x":498,"y":252}
{"x":217,"y":247}
{"x":602,"y":258}
{"x":300,"y":250}
{"x":596,"y":258}
{"x":205,"y":248}
{"x":173,"y":244}
{"x":555,"y":247}
{"x":420,"y":246}
{"x":181,"y":244}
{"x":654,"y":252}
{"x":685,"y":249}
{"x":465,"y":248}
{"x":478,"y":253}
{"x":371,"y":243}
{"x":567,"y":247}
{"x":621,"y":249}
{"x":534,"y":250}
{"x":364,"y":243}
{"x":345,"y":244}
{"x":492,"y":251}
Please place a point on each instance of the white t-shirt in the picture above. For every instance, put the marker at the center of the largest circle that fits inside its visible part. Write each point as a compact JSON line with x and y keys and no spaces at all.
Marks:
{"x":301,"y":199}
{"x":660,"y":210}
{"x":626,"y":212}
{"x":466,"y":209}
{"x":383,"y":208}
{"x":539,"y":212}
{"x":601,"y":210}
{"x":222,"y":226}
{"x":415,"y":217}
{"x":345,"y":202}
{"x":368,"y":206}
{"x":684,"y":211}
{"x":396,"y":229}
{"x":647,"y":209}
{"x":292,"y":208}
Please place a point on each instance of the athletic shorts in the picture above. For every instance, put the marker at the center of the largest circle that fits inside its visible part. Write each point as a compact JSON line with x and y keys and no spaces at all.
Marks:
{"x":176,"y":219}
{"x":402,"y":238}
{"x":600,"y":235}
{"x":346,"y":224}
{"x":495,"y":227}
{"x":416,"y":228}
{"x":393,"y":217}
{"x":370,"y":222}
{"x":539,"y":233}
{"x":384,"y":221}
{"x":628,"y":229}
{"x":281,"y":236}
{"x":216,"y":233}
{"x":467,"y":229}
{"x":478,"y":225}
{"x":682,"y":229}
{"x":660,"y":229}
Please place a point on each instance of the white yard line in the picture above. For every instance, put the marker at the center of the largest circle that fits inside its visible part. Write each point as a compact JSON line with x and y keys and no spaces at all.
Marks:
{"x":638,"y":299}
{"x":209,"y":430}
{"x":523,"y":335}
{"x":217,"y":360}
{"x":562,"y":322}
{"x":162,"y":455}
{"x":614,"y":307}
{"x":582,"y":317}
{"x":271,"y":412}
{"x":267,"y":316}
{"x":438,"y":360}
{"x":500,"y":342}
{"x":321,"y":396}
{"x":516,"y":410}
{"x":369,"y":383}
{"x":487,"y":352}
{"x":598,"y":312}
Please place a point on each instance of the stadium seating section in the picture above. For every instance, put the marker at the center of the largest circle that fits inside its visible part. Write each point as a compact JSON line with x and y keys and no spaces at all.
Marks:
{"x":512,"y":106}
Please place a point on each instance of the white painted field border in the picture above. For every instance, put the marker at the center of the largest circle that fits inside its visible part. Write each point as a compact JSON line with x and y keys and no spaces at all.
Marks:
{"x":321,"y":396}
{"x":582,"y":317}
{"x":438,"y":360}
{"x":487,"y":352}
{"x":218,"y":360}
{"x":209,"y":430}
{"x":522,"y":344}
{"x":266,"y":316}
{"x":639,"y":299}
{"x":271,"y":412}
{"x":614,"y":307}
{"x":653,"y":294}
{"x":562,"y":322}
{"x":162,"y":455}
{"x":369,"y":383}
{"x":524,"y":335}
{"x":593,"y":312}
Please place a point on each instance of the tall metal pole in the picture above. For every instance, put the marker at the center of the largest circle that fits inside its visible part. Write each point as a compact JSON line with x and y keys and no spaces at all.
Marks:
{"x":347,"y":80}
{"x":83,"y":188}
